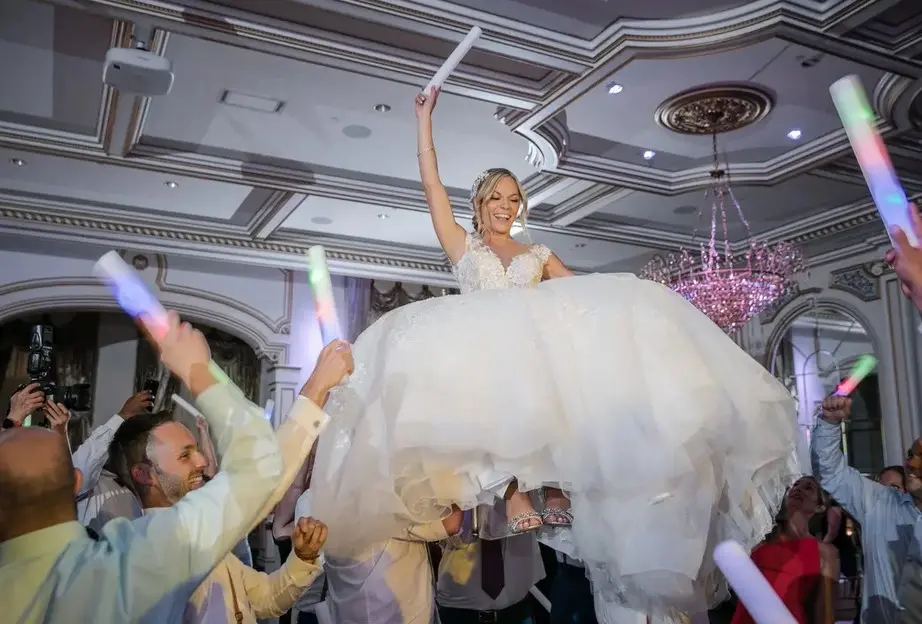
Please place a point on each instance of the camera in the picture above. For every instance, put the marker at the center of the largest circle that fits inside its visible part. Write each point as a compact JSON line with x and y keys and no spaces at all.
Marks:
{"x":40,"y":368}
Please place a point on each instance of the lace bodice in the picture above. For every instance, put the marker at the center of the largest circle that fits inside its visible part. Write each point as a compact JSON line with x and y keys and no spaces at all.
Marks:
{"x":481,"y":269}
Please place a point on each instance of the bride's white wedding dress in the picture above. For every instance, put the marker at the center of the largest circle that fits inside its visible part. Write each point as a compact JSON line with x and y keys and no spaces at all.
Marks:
{"x":666,"y":434}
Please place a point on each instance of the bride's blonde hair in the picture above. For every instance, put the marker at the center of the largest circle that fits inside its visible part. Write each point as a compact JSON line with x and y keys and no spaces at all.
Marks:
{"x":484,"y":186}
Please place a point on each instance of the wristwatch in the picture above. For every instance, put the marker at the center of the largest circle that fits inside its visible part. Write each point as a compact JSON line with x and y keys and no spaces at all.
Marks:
{"x":9,"y":423}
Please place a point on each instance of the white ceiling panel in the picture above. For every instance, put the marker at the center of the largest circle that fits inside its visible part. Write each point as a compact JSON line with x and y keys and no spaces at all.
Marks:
{"x":54,"y":176}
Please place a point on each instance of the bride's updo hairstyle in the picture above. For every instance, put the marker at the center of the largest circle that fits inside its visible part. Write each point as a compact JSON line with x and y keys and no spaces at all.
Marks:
{"x":483,"y":188}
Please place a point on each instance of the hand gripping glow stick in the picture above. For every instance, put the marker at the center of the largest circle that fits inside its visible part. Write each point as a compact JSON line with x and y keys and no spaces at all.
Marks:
{"x":863,"y":367}
{"x":858,"y":118}
{"x":760,"y":600}
{"x":322,"y":286}
{"x":139,"y":302}
{"x":452,"y":61}
{"x":132,"y":294}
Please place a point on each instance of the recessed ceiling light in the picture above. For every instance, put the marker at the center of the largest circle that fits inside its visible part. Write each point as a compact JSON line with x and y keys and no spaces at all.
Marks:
{"x":19,"y":162}
{"x":794,"y":134}
{"x":382,"y":108}
{"x":649,"y":154}
{"x":579,"y":245}
{"x":615,"y":88}
{"x":171,"y":184}
{"x":321,"y":220}
{"x":384,"y":216}
{"x":357,"y":132}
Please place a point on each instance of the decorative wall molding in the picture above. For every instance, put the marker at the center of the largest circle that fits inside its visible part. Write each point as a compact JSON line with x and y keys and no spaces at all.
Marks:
{"x":861,"y":280}
{"x":87,"y":293}
{"x":771,"y":312}
{"x":281,"y":325}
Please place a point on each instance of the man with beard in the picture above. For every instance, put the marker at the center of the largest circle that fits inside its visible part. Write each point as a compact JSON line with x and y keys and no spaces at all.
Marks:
{"x":162,"y":462}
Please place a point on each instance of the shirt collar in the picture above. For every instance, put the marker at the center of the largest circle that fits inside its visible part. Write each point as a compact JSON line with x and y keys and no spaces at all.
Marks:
{"x":52,"y":539}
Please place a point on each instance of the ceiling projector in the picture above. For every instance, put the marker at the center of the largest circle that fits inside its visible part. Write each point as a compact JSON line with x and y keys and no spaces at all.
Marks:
{"x":138,"y":72}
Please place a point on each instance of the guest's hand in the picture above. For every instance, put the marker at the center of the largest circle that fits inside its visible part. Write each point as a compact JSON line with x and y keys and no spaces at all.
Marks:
{"x":333,"y":365}
{"x":454,"y":521}
{"x":185,"y":352}
{"x":836,"y":409}
{"x":906,"y":260}
{"x":25,"y":402}
{"x":58,"y":416}
{"x":308,"y":538}
{"x":139,"y":403}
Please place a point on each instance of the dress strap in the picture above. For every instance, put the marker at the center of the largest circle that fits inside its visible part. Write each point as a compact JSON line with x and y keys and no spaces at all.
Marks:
{"x":543,"y":252}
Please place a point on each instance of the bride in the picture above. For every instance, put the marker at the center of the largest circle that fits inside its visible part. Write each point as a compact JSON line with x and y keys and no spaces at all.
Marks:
{"x":665,"y":436}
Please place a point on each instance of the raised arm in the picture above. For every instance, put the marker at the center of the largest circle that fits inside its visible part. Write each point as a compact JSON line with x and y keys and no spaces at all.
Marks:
{"x":855,"y":493}
{"x":451,"y":235}
{"x":155,"y":562}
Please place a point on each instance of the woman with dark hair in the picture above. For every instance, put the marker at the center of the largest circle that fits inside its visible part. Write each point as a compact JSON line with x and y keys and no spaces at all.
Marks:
{"x":802,"y":569}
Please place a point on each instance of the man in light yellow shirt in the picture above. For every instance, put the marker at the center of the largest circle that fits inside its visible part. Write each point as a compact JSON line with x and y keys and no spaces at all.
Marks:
{"x":161,"y":460}
{"x":143,"y":570}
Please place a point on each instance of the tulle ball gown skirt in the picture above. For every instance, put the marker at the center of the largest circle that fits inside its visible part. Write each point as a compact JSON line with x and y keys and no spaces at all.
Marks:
{"x":668,"y":437}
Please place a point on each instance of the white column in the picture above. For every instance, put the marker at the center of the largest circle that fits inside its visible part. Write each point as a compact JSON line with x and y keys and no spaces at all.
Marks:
{"x":282,"y":386}
{"x":115,"y":365}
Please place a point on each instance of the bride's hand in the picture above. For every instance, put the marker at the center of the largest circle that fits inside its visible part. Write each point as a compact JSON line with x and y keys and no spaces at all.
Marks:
{"x":425,"y":102}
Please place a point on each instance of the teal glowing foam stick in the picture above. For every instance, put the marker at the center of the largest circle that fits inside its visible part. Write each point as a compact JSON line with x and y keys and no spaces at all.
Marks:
{"x":863,"y":367}
{"x":324,"y":302}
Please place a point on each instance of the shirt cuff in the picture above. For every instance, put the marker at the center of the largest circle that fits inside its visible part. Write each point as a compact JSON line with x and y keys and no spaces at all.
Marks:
{"x":824,"y":426}
{"x":115,"y":422}
{"x":306,"y":413}
{"x":219,"y":398}
{"x":302,"y":572}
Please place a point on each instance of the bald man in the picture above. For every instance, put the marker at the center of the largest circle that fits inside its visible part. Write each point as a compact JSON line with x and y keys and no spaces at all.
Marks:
{"x":146,"y":569}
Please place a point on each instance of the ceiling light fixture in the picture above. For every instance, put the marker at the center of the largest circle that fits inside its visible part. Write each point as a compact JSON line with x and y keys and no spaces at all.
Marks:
{"x":579,"y":245}
{"x":649,"y":154}
{"x":615,"y":88}
{"x":384,"y":216}
{"x":171,"y":184}
{"x":382,"y":108}
{"x":19,"y":162}
{"x":794,"y":134}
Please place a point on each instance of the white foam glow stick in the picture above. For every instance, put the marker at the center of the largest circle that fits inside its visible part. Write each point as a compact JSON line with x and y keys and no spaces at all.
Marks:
{"x":760,"y":600}
{"x":133,"y":294}
{"x":452,"y":61}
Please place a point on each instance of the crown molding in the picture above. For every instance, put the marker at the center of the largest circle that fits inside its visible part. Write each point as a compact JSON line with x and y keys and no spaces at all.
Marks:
{"x":346,"y":257}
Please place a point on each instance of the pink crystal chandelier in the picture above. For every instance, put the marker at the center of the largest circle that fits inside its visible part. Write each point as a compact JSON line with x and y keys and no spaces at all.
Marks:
{"x":729,"y":287}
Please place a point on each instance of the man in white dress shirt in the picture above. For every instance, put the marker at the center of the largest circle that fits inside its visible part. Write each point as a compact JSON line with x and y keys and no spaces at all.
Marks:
{"x":489,"y":580}
{"x":161,"y":459}
{"x":137,"y":571}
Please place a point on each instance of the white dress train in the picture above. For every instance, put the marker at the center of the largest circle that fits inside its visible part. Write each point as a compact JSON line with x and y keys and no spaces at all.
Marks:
{"x":666,"y":435}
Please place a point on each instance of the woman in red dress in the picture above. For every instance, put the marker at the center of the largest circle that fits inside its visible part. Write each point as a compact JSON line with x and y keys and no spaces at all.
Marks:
{"x":802,"y":569}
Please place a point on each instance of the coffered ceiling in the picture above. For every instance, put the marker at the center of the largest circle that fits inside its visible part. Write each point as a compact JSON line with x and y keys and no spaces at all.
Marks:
{"x":291,"y":123}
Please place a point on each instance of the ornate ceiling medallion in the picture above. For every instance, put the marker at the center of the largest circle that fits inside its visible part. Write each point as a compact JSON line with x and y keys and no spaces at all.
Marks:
{"x":715,"y":108}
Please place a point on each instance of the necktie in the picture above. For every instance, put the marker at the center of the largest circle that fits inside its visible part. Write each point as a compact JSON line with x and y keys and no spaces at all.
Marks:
{"x":492,"y":574}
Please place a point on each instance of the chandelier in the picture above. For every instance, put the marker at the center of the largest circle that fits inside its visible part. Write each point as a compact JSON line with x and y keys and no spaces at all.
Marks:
{"x":729,"y":286}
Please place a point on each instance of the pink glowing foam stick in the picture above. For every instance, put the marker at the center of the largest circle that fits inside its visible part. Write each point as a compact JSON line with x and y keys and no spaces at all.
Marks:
{"x":452,"y":62}
{"x":858,"y":118}
{"x":753,"y":590}
{"x":133,"y":294}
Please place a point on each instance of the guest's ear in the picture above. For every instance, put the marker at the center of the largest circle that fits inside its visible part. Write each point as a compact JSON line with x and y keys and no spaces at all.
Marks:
{"x":78,"y":481}
{"x":141,"y":474}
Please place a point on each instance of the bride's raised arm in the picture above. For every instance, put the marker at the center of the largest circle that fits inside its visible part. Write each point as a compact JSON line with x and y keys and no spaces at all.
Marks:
{"x":451,"y":235}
